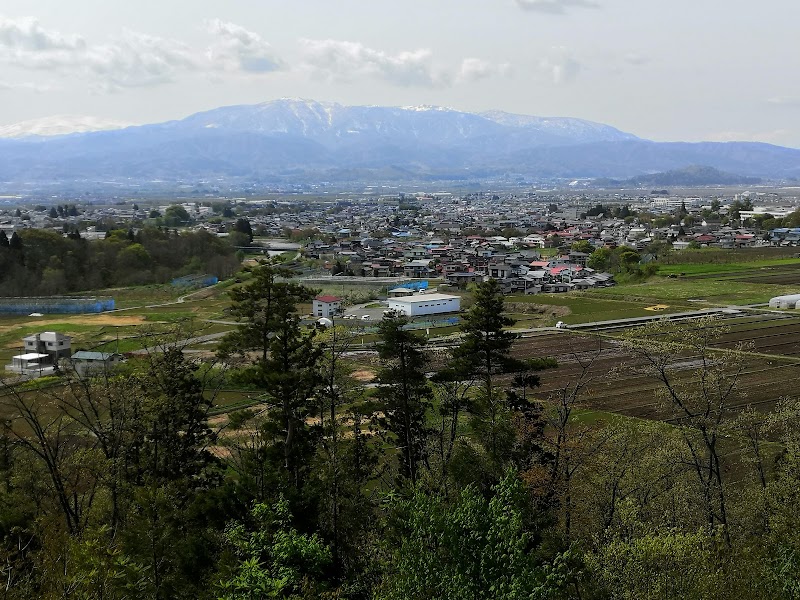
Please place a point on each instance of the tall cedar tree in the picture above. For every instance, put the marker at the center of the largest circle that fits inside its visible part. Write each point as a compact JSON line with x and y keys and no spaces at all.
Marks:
{"x":287,"y":368}
{"x":178,"y":436}
{"x":485,"y":353}
{"x":404,"y":391}
{"x":486,"y":347}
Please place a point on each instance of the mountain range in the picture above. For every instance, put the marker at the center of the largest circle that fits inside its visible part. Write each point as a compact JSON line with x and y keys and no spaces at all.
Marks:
{"x":304,"y":141}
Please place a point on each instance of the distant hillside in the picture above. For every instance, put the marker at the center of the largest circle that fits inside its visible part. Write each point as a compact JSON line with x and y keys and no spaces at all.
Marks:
{"x":695,"y":175}
{"x":302,"y":141}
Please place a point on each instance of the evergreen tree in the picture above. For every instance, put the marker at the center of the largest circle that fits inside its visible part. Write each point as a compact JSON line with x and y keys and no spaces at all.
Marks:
{"x":484,"y":354}
{"x":404,"y":391}
{"x":15,"y":243}
{"x":3,"y":239}
{"x":243,"y":226}
{"x":286,"y":366}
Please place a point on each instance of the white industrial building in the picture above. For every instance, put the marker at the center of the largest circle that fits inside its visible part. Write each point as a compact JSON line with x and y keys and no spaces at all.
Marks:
{"x":790,"y":301}
{"x":425,"y":304}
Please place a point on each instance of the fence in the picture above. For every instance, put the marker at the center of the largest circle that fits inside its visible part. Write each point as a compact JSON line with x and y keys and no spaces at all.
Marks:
{"x":55,"y":305}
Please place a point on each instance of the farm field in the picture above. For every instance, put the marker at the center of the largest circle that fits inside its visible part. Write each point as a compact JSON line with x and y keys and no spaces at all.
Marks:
{"x":617,"y":386}
{"x":586,"y":307}
{"x":147,"y":313}
{"x":698,"y":291}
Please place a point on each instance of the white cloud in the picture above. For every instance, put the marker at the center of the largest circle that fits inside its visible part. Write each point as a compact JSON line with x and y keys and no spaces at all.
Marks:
{"x":560,"y":65}
{"x":555,"y":7}
{"x":347,"y":61}
{"x":133,"y":60}
{"x":792,"y":101}
{"x":27,"y":35}
{"x":139,"y":60}
{"x":238,"y":49}
{"x":635,"y":59}
{"x":474,"y":69}
{"x":25,"y":86}
{"x":24,"y":42}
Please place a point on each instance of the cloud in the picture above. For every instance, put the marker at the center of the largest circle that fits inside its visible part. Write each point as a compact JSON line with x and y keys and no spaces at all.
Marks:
{"x":636,"y":60}
{"x":137,"y":60}
{"x":25,"y":43}
{"x":475,"y":69}
{"x":792,"y":101}
{"x":25,"y":86}
{"x":133,"y":60}
{"x":346,"y":61}
{"x":555,"y":7}
{"x":27,"y":35}
{"x":238,"y":49}
{"x":560,"y":65}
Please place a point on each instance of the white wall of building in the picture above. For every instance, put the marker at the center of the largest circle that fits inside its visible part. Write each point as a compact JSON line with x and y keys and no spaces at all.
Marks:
{"x":425,"y":304}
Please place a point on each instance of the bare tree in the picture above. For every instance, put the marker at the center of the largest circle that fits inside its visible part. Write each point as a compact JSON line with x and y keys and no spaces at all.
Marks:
{"x":700,"y":384}
{"x":571,"y":444}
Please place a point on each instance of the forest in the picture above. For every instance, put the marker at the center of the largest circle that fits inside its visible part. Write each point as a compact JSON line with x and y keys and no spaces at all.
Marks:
{"x":44,"y":262}
{"x":450,"y":477}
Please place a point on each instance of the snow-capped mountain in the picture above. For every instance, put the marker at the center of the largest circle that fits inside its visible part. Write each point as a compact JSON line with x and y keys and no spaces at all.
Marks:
{"x":59,"y":125}
{"x":292,"y":140}
{"x":577,"y":130}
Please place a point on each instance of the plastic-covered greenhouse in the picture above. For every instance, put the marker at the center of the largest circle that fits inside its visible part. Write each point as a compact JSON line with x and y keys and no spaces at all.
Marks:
{"x":55,"y":305}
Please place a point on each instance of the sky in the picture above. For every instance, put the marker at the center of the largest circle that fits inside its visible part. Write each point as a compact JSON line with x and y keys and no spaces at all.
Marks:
{"x":685,"y":70}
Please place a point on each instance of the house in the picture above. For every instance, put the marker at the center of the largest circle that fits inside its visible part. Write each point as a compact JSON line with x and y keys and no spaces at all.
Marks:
{"x":425,"y":304}
{"x":462,"y":279}
{"x":400,"y":292}
{"x":56,"y":345}
{"x":326,"y":306}
{"x":88,"y":363}
{"x":417,"y":268}
{"x":32,"y":364}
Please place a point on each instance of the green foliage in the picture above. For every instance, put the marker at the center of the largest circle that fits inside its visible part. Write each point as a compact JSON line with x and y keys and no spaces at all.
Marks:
{"x":44,"y":262}
{"x":176,"y":215}
{"x":668,"y":564}
{"x":274,"y":560}
{"x":404,"y":391}
{"x":600,"y":259}
{"x":584,"y":246}
{"x":471,"y":549}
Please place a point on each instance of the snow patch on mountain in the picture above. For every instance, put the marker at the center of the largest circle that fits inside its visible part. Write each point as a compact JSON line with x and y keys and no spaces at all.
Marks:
{"x":59,"y":125}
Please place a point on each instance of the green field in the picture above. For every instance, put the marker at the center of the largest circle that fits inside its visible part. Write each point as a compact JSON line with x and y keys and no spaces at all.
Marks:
{"x":700,"y":291}
{"x":584,"y":307}
{"x":689,"y":269}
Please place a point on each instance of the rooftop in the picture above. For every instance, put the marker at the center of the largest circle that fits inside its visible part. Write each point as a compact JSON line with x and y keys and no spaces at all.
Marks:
{"x":416,"y":299}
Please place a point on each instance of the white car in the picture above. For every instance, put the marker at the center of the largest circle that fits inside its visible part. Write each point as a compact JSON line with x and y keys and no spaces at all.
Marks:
{"x":561,"y":325}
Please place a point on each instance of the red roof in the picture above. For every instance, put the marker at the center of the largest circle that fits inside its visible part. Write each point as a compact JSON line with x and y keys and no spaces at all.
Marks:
{"x":328,"y":299}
